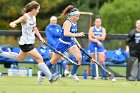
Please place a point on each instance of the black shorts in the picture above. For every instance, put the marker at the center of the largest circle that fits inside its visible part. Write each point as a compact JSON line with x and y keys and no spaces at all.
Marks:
{"x":26,"y":47}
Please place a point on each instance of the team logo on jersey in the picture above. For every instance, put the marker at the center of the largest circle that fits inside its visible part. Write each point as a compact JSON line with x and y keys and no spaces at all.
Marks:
{"x":137,"y":37}
{"x":74,"y":30}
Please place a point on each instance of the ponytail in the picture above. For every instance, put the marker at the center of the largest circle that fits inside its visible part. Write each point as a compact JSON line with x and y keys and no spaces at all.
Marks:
{"x":67,"y":10}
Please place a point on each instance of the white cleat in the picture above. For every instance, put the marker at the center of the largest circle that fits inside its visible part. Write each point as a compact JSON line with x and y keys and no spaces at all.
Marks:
{"x":39,"y":77}
{"x":66,"y":73}
{"x":55,"y":77}
{"x":74,"y":77}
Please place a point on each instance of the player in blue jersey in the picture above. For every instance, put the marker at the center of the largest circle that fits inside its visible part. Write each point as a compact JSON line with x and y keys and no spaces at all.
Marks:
{"x":53,"y":33}
{"x":96,"y":37}
{"x":67,"y":42}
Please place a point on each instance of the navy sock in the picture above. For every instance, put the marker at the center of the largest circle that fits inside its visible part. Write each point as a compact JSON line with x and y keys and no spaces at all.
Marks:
{"x":74,"y":69}
{"x":93,"y":70}
{"x":53,"y":69}
{"x":49,"y":64}
{"x":103,"y":71}
{"x":64,"y":63}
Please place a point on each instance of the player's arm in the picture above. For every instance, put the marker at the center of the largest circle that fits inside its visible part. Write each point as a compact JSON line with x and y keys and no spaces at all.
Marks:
{"x":103,"y":35}
{"x":66,"y":27}
{"x":21,"y":20}
{"x":38,"y":35}
{"x":91,"y":35}
{"x":128,"y":40}
{"x":127,"y":48}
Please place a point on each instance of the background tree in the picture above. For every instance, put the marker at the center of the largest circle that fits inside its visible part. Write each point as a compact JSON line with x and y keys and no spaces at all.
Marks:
{"x":119,"y":16}
{"x":11,"y":9}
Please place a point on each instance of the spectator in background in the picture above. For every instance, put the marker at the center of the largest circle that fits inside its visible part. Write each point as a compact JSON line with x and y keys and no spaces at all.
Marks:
{"x":133,"y":47}
{"x":96,"y":37}
{"x":53,"y":33}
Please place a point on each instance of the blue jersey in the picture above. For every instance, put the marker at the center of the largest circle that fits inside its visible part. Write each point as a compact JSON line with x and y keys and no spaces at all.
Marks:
{"x":97,"y":32}
{"x":73,"y":29}
{"x":66,"y":42}
{"x":92,"y":45}
{"x":53,"y":33}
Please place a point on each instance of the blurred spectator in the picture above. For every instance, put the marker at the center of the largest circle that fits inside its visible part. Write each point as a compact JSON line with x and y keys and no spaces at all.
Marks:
{"x":133,"y":46}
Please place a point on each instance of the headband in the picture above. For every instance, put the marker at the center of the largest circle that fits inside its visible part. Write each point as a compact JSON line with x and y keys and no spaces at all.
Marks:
{"x":74,"y":13}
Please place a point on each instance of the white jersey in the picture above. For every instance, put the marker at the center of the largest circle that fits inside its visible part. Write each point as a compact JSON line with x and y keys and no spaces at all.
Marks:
{"x":28,"y":33}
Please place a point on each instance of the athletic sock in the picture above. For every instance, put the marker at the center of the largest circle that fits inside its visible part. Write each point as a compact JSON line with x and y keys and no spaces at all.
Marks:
{"x":103,"y":71}
{"x":49,"y":64}
{"x":93,"y":70}
{"x":42,"y":66}
{"x":53,"y":69}
{"x":74,"y":69}
{"x":64,"y":64}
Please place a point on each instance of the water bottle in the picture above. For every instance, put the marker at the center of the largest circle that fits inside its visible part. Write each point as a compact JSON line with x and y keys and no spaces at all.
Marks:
{"x":85,"y":74}
{"x":14,"y":66}
{"x":30,"y":72}
{"x":0,"y":74}
{"x":22,"y":71}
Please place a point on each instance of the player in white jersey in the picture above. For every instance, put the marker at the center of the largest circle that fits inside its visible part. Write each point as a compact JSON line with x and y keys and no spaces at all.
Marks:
{"x":29,"y":29}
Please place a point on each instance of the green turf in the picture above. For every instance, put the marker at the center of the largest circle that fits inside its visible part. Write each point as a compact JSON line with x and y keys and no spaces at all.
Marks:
{"x":66,"y":85}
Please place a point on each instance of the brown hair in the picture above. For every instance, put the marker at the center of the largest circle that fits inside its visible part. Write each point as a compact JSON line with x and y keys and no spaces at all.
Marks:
{"x":67,"y":10}
{"x":30,"y":6}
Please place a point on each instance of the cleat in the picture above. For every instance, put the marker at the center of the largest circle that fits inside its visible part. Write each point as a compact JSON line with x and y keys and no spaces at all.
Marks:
{"x":55,"y":77}
{"x":92,"y":78}
{"x":39,"y":77}
{"x":74,"y":77}
{"x":66,"y":73}
{"x":105,"y":78}
{"x":131,"y":78}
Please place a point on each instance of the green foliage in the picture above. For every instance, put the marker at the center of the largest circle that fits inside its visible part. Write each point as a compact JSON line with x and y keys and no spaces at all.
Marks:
{"x":120,"y":15}
{"x":11,"y":10}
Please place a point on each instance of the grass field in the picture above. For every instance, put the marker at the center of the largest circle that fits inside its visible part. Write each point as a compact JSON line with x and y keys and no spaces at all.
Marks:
{"x":66,"y":85}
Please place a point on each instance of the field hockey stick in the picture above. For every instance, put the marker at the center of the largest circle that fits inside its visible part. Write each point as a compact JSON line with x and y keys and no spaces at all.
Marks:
{"x":65,"y":57}
{"x":112,"y":75}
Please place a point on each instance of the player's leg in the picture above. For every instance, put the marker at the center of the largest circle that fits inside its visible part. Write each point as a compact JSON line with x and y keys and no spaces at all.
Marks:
{"x":12,"y":55}
{"x":101,"y":60}
{"x":42,"y":66}
{"x":92,"y":64}
{"x":93,"y":67}
{"x":74,"y":50}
